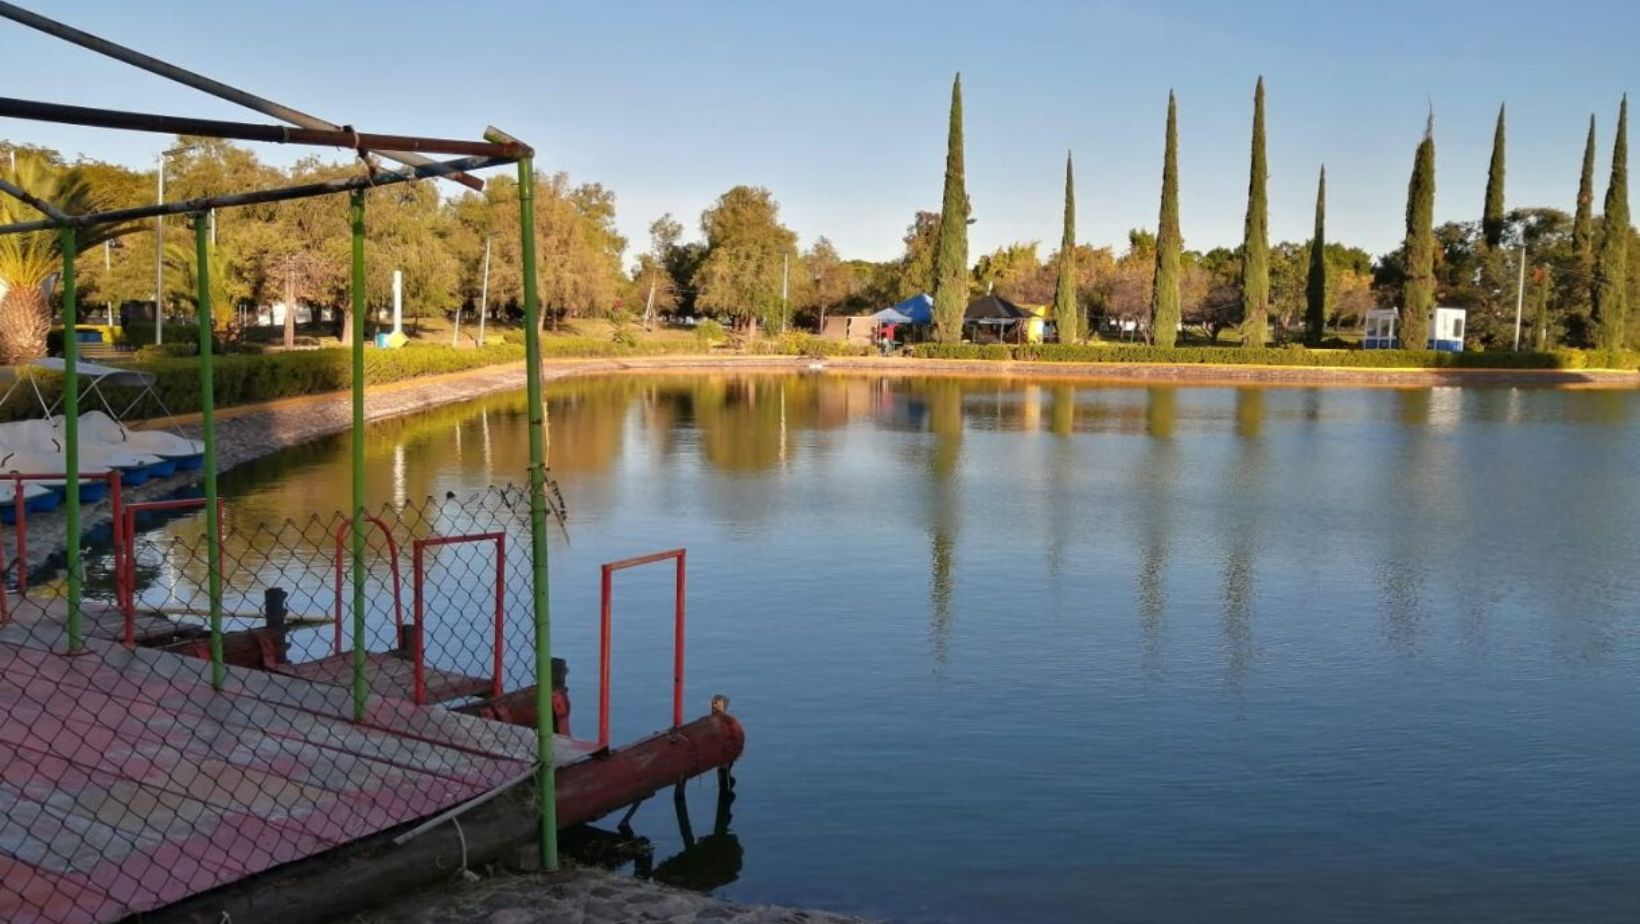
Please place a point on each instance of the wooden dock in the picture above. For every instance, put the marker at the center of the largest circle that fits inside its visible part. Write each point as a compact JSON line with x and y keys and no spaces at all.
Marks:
{"x":128,"y":783}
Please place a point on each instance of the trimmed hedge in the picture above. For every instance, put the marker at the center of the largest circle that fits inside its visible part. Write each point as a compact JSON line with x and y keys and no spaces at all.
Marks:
{"x":1280,"y":356}
{"x":801,"y":344}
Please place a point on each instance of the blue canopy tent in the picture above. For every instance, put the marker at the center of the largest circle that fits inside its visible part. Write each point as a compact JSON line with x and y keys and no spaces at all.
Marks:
{"x":918,"y":309}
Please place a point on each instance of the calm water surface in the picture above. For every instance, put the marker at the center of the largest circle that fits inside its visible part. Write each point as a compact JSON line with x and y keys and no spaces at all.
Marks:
{"x":1052,"y":652}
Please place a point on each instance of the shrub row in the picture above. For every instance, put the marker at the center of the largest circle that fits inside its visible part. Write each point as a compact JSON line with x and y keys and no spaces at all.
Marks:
{"x":800,"y":344}
{"x":1281,"y":356}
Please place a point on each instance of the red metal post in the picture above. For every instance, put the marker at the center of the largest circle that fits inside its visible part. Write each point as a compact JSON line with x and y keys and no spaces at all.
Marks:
{"x":342,"y":533}
{"x":417,"y":671}
{"x":603,"y":657}
{"x":500,"y":604}
{"x":677,"y":648}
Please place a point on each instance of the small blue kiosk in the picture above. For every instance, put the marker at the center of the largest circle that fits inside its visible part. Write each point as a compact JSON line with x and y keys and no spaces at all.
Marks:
{"x":1446,"y":329}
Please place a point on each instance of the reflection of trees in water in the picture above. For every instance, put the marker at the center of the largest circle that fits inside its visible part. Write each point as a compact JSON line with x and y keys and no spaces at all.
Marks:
{"x":1061,"y":413}
{"x":1240,"y":523}
{"x":945,"y":423}
{"x":1157,"y":470}
{"x":1411,"y":498}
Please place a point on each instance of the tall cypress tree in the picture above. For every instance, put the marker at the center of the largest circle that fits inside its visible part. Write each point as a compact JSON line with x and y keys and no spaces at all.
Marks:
{"x":1164,"y":299}
{"x":1066,"y":312}
{"x":1609,"y":301}
{"x":1315,"y":306}
{"x":951,"y":246}
{"x":1255,"y":242}
{"x":1583,"y":223}
{"x":1492,"y":216}
{"x":1418,"y":292}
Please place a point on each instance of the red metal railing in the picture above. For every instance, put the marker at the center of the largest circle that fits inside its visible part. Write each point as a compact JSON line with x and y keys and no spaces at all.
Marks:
{"x":125,"y":564}
{"x":418,"y":574}
{"x":21,"y":527}
{"x":393,"y":562}
{"x":679,"y":556}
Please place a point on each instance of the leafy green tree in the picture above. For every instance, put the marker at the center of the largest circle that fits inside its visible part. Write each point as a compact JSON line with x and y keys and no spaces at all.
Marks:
{"x":1418,"y":290}
{"x":1067,"y":310}
{"x":1315,"y":305}
{"x":1583,"y":221}
{"x":746,"y":248}
{"x":1492,"y":216}
{"x":951,"y":247}
{"x":914,"y":273}
{"x":1165,"y":308}
{"x":1609,"y":296}
{"x":831,"y":280}
{"x":1015,"y":272}
{"x":1255,"y":247}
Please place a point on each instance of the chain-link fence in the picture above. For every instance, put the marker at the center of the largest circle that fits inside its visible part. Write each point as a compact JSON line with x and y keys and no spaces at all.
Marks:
{"x":128,"y":780}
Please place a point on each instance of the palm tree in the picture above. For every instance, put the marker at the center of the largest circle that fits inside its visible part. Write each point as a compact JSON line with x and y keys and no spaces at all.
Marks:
{"x":27,"y":260}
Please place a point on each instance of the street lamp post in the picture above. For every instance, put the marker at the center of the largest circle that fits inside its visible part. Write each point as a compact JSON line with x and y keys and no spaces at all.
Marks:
{"x":159,"y":249}
{"x":1520,"y":296}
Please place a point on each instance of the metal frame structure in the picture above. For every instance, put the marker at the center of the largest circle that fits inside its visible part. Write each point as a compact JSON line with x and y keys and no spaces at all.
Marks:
{"x":497,"y":149}
{"x":606,"y":612}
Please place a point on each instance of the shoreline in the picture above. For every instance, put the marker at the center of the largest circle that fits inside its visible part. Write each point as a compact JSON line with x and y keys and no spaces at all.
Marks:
{"x":252,"y":431}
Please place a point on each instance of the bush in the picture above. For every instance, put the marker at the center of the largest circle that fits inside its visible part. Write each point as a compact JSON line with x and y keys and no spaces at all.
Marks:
{"x":710,"y":332}
{"x":142,"y":334}
{"x":1280,"y":356}
{"x":796,"y":343}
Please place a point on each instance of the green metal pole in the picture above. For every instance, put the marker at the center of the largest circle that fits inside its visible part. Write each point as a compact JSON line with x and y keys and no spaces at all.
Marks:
{"x":360,"y":689}
{"x":538,"y":520}
{"x":207,"y":422}
{"x":71,"y":437}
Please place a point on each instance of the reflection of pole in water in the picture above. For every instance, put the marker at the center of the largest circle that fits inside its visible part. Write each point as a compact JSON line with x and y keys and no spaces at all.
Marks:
{"x":399,"y":488}
{"x":489,"y":456}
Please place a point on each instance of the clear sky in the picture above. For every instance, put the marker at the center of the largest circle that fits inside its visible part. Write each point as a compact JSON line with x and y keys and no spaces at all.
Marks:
{"x":840,"y":107}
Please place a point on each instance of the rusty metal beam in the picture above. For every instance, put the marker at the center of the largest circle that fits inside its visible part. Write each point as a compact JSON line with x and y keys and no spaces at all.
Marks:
{"x":251,"y":131}
{"x":200,"y":82}
{"x":206,"y":203}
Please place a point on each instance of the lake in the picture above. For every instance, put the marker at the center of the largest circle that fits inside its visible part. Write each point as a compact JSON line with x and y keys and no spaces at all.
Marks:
{"x":1043,"y":651}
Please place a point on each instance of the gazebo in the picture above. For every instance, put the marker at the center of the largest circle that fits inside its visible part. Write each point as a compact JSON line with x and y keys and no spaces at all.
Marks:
{"x":996,"y":313}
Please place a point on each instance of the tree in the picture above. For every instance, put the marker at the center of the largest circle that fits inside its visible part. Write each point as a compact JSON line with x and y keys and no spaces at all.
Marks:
{"x":951,"y":246}
{"x":1418,"y":291}
{"x":915,"y":272}
{"x":28,"y":259}
{"x":1315,"y":303}
{"x":1067,"y":311}
{"x":1609,"y":295}
{"x":831,"y":280}
{"x":746,"y":248}
{"x":1128,"y":293}
{"x":1016,"y":273}
{"x":1255,"y":248}
{"x":1583,"y":222}
{"x":1164,"y":306}
{"x":1492,"y":215}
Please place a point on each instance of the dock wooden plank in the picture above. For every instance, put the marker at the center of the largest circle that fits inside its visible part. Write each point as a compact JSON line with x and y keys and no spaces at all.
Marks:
{"x":128,"y":783}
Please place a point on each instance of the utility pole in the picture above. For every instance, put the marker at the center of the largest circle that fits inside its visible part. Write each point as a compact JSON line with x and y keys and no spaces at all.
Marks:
{"x":484,"y":293}
{"x":108,"y":288}
{"x":649,"y":303}
{"x":159,"y":248}
{"x":785,"y":290}
{"x":1520,"y":295}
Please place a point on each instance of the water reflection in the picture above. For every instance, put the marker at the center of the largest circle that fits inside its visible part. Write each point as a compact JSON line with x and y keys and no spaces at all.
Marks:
{"x":1292,"y":578}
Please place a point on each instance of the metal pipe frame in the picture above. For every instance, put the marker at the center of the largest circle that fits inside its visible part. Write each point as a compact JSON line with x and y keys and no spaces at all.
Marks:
{"x":281,"y":194}
{"x":207,"y":422}
{"x":343,"y":137}
{"x":199,"y":82}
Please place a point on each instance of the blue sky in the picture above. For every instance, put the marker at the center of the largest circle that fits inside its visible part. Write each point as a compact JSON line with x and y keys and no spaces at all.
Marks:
{"x":840,"y":107}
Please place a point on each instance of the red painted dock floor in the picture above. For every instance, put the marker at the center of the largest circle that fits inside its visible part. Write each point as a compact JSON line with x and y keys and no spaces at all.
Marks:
{"x":127,"y":782}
